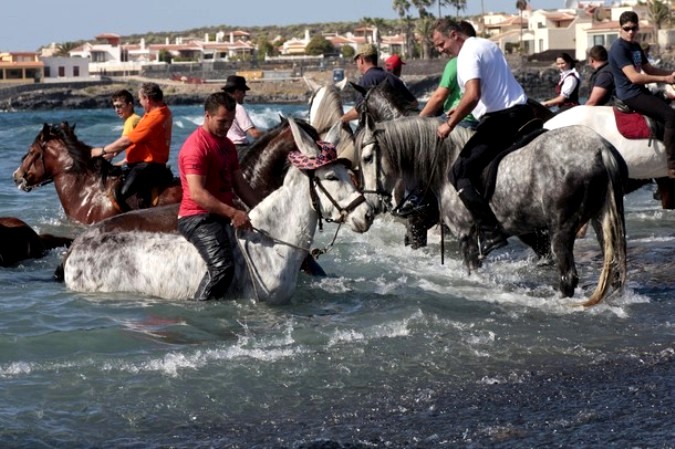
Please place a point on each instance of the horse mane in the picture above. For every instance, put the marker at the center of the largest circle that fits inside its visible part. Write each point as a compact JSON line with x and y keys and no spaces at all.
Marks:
{"x":266,"y":162}
{"x":79,"y":151}
{"x":411,"y":142}
{"x":330,"y":110}
{"x":384,"y":102}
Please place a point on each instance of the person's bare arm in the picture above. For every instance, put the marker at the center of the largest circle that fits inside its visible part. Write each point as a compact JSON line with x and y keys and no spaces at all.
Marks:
{"x":597,"y":94}
{"x":197,"y":186}
{"x":109,"y":151}
{"x":254,"y":132}
{"x":651,"y":75}
{"x":472,"y":93}
{"x":435,"y":102}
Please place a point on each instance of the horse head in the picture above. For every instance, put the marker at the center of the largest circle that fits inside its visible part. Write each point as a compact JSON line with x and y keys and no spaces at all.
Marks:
{"x":376,"y":171}
{"x":384,"y":102}
{"x":36,"y":167}
{"x":334,"y":196}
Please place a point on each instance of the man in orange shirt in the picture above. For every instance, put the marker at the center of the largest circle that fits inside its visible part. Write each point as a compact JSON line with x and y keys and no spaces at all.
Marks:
{"x":147,"y":147}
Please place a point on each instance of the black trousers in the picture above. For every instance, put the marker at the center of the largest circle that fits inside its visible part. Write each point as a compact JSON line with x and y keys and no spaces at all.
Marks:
{"x":495,"y":132}
{"x":654,"y":107}
{"x":141,"y":178}
{"x":208,"y":234}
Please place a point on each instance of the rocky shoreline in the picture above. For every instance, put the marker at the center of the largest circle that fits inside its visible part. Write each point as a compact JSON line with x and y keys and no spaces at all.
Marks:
{"x":289,"y":91}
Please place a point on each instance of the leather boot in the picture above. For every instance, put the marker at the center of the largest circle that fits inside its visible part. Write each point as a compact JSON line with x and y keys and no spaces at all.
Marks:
{"x":490,"y":234}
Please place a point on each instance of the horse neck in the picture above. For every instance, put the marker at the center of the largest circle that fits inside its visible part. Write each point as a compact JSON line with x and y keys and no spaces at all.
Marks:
{"x":415,"y":153}
{"x":82,"y":195}
{"x":287,"y":215}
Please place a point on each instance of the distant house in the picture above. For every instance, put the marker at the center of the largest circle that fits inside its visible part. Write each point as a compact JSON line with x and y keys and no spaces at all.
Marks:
{"x":59,"y":69}
{"x":20,"y":68}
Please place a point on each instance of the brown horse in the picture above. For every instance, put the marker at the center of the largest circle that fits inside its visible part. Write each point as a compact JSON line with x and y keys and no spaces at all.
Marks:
{"x":264,"y":166}
{"x":20,"y":242}
{"x":85,"y":185}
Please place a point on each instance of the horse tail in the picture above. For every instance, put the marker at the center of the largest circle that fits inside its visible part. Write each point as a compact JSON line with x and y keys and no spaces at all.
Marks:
{"x":613,"y":226}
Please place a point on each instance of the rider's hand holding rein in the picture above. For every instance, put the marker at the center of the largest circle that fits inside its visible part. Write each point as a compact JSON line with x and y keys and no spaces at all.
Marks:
{"x":241,"y":220}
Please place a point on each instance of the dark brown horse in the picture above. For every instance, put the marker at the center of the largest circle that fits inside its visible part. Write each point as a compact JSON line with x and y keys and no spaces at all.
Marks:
{"x":20,"y":242}
{"x":264,"y":166}
{"x":84,"y":184}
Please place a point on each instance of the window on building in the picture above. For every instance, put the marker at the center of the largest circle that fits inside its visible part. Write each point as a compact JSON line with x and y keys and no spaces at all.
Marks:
{"x":599,"y":40}
{"x":62,"y":71}
{"x":2,"y":74}
{"x":76,"y":71}
{"x":48,"y":72}
{"x":14,"y":74}
{"x":611,"y":38}
{"x":97,"y":56}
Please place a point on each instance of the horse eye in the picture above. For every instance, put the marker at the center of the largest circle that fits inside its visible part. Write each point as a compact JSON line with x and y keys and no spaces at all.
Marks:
{"x":368,"y":158}
{"x":331,"y":177}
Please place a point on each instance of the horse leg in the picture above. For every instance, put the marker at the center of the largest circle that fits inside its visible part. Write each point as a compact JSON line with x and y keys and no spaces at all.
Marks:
{"x":469,"y":247}
{"x":562,"y":245}
{"x":539,"y":241}
{"x":666,"y":192}
{"x":419,"y":222}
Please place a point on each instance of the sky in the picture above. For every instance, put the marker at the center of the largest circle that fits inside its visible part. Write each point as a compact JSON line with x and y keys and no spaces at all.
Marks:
{"x":29,"y":24}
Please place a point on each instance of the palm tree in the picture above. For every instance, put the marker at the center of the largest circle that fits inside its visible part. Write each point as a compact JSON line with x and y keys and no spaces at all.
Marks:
{"x":64,"y":48}
{"x":424,"y":27}
{"x":659,"y":15}
{"x":521,"y":5}
{"x":457,"y":4}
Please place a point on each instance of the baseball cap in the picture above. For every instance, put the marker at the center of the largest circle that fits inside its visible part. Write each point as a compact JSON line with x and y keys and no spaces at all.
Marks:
{"x":393,"y":62}
{"x":366,"y":50}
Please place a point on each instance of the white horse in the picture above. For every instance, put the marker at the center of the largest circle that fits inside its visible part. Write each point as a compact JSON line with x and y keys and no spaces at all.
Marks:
{"x":267,"y":261}
{"x":645,"y":158}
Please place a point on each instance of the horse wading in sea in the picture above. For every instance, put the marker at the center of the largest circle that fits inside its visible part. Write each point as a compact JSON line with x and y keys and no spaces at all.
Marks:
{"x":546,"y":189}
{"x":21,"y":242}
{"x":645,"y":158}
{"x":267,"y":260}
{"x":84,"y":184}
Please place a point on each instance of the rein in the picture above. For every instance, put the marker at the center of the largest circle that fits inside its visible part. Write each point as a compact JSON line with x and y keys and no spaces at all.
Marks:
{"x":316,"y":205}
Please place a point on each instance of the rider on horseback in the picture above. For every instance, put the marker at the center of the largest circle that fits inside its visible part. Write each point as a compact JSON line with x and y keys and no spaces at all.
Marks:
{"x":147,"y":147}
{"x":495,"y":98}
{"x":632,"y":71}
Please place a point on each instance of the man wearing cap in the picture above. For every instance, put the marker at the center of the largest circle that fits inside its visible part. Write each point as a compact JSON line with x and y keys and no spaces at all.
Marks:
{"x":372,"y":75}
{"x":242,"y":127}
{"x":210,"y":175}
{"x":394,"y":64}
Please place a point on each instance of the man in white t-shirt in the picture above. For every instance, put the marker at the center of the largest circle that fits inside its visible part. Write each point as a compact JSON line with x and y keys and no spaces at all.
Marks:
{"x":495,"y":98}
{"x":242,"y":128}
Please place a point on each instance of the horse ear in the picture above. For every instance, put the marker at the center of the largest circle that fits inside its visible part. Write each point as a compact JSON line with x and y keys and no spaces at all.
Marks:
{"x":369,"y":123}
{"x":342,"y":84}
{"x":304,"y":141}
{"x":334,"y":134}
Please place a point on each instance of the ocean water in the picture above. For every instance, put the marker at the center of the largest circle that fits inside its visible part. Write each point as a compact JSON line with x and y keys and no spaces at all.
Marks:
{"x":391,"y":350}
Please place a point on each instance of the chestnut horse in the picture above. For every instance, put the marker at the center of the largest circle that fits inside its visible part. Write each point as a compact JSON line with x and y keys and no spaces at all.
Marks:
{"x":84,"y":184}
{"x":20,"y":242}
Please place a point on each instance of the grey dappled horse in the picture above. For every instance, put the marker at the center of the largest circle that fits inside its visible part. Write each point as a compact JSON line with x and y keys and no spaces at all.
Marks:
{"x":550,"y":187}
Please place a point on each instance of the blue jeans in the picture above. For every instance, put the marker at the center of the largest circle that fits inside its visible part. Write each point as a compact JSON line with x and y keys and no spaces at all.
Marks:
{"x":208,"y":233}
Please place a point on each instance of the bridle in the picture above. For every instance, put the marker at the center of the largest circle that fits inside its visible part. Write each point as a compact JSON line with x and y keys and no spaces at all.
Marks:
{"x":382,"y":194}
{"x":315,"y":183}
{"x":40,"y":155}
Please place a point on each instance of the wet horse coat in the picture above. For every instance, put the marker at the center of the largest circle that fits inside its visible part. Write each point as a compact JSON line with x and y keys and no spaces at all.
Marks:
{"x":645,"y":158}
{"x":21,"y":242}
{"x":84,"y":184}
{"x":554,"y":184}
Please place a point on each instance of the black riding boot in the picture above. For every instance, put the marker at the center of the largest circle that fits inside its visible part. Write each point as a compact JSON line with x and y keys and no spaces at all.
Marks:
{"x":490,"y":234}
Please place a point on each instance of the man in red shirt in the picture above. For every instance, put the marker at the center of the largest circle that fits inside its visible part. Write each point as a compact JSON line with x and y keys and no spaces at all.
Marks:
{"x":210,"y":174}
{"x":147,"y":146}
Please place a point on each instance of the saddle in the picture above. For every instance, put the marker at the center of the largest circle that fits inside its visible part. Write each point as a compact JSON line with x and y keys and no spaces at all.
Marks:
{"x":526,"y":134}
{"x":633,"y":125}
